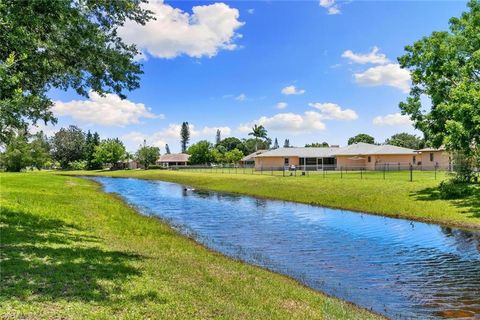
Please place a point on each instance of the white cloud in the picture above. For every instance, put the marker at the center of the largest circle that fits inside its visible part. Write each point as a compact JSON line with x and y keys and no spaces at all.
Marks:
{"x":388,"y":75}
{"x":289,"y":90}
{"x":330,"y":5}
{"x":204,"y":32}
{"x":251,"y":11}
{"x":281,"y":105}
{"x":334,"y":111}
{"x":291,"y":122}
{"x":362,"y":58}
{"x":108,"y":110}
{"x":394,"y":119}
{"x":241,"y":97}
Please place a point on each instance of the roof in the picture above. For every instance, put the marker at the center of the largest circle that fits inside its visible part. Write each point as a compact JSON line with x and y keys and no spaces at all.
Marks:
{"x":372,"y":149}
{"x":351,"y":150}
{"x":174,"y":157}
{"x":301,"y":152}
{"x":253,"y":155}
{"x":442,"y":148}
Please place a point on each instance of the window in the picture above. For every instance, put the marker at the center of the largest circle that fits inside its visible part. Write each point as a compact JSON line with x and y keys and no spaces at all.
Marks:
{"x":431,"y":157}
{"x":369,"y":159}
{"x":414,"y":159}
{"x":286,"y":161}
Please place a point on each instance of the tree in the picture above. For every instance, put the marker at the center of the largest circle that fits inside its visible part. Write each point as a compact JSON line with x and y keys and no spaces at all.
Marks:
{"x":110,"y":151}
{"x":91,"y":142}
{"x":258,"y":132}
{"x":40,"y":150}
{"x":218,"y":137}
{"x":217,"y":156}
{"x":68,"y":145}
{"x":362,"y":137}
{"x":17,"y":154}
{"x":286,"y":144}
{"x":184,"y":136}
{"x":275,"y":144}
{"x":167,"y":149}
{"x":201,"y":152}
{"x":62,"y":44}
{"x":147,"y":155}
{"x":252,"y":145}
{"x":230,"y":143}
{"x":233,"y":156}
{"x":317,"y":145}
{"x":406,"y":140}
{"x":445,"y":67}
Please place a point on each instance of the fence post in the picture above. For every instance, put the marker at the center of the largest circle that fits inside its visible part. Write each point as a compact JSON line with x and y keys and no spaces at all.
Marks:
{"x":384,"y":167}
{"x":361,"y":173}
{"x":411,"y":173}
{"x":436,"y":165}
{"x":341,"y":172}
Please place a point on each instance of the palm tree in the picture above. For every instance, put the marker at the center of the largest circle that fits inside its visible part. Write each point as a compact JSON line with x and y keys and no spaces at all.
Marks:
{"x":258,"y":132}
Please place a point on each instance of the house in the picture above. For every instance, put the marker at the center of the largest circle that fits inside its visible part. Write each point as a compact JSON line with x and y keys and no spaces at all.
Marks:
{"x":356,"y":156}
{"x":430,"y":158}
{"x":173,"y":160}
{"x":249,"y":160}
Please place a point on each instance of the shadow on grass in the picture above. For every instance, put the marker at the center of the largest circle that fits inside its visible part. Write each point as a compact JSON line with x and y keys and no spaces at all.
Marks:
{"x":470,"y":204}
{"x":47,"y":259}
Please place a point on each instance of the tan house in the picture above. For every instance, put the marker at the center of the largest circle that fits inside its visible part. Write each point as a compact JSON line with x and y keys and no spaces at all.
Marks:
{"x":249,"y":160}
{"x":356,"y":156}
{"x":173,"y":160}
{"x":431,"y":157}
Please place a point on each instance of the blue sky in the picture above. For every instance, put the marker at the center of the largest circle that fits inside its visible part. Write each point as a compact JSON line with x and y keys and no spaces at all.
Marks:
{"x":225,"y":65}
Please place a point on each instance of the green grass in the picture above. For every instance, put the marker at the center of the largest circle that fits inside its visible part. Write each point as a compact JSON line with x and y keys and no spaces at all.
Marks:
{"x":393,"y":196}
{"x":70,"y":251}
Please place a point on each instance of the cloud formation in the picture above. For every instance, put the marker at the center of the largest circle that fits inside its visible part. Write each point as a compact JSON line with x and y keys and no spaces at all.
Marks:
{"x":385,"y":75}
{"x":204,"y":32}
{"x":373,"y":57}
{"x":292,"y":90}
{"x":394,"y":119}
{"x":281,"y":105}
{"x":108,"y":110}
{"x":332,"y":111}
{"x":331,"y":6}
{"x":291,"y":122}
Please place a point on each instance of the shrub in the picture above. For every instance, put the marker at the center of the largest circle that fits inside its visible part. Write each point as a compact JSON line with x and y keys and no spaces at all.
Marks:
{"x":78,"y":165}
{"x":453,"y":189}
{"x":155,"y":166}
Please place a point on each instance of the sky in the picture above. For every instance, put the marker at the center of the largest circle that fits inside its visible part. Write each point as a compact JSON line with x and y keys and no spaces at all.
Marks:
{"x":308,"y":71}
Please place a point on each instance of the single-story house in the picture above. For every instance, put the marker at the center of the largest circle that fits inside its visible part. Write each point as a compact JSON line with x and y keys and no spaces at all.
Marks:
{"x":249,"y":160}
{"x":356,"y":156}
{"x":173,"y":160}
{"x":431,"y":157}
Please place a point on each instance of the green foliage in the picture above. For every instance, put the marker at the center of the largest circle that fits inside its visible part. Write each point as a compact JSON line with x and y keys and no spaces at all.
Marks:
{"x":201,"y":153}
{"x":286,"y":144}
{"x":275,"y":144}
{"x":252,"y":145}
{"x":184,"y":136}
{"x":259,"y":132}
{"x":445,"y":67}
{"x":147,"y":155}
{"x":406,"y":140}
{"x":230,"y":143}
{"x":362,"y":137}
{"x":40,"y":151}
{"x":62,"y":44}
{"x":217,"y":155}
{"x":78,"y":165}
{"x":109,"y":151}
{"x":317,"y":145}
{"x":233,"y":156}
{"x":155,"y":166}
{"x":218,"y":137}
{"x":91,"y":142}
{"x":452,"y":189}
{"x":167,"y":149}
{"x":68,"y":145}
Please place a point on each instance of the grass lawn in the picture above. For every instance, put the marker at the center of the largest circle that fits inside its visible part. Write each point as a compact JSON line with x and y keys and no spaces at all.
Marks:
{"x":69,"y":251}
{"x":395,"y":196}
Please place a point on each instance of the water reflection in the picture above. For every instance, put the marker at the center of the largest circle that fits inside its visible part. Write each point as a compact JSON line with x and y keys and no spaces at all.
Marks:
{"x":400,"y":268}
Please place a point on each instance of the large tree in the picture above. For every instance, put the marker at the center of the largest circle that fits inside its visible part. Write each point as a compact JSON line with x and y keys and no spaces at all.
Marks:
{"x":68,"y":145}
{"x":230,"y":143}
{"x":147,"y":155}
{"x":445,"y":67}
{"x":110,"y":151}
{"x":406,"y":140}
{"x":201,"y":153}
{"x":21,"y":153}
{"x":62,"y":44}
{"x":258,"y":132}
{"x":91,"y":142}
{"x":361,"y":137}
{"x":184,"y":136}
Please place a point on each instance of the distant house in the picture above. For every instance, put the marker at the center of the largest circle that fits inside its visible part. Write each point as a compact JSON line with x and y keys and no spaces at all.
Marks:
{"x":173,"y":160}
{"x":249,"y":160}
{"x":356,"y":156}
{"x":431,"y":157}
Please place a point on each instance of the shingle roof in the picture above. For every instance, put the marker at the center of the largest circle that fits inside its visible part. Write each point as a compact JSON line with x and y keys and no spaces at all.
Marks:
{"x":351,"y":150}
{"x":372,"y":149}
{"x":174,"y":157}
{"x":301,"y":152}
{"x":251,"y":156}
{"x":442,"y":148}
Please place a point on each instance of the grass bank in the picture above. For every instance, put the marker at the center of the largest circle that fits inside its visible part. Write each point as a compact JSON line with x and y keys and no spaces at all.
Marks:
{"x":69,"y":251}
{"x":395,"y":196}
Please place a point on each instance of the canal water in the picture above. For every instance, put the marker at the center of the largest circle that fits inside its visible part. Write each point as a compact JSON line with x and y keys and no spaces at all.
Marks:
{"x":396,"y":267}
